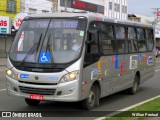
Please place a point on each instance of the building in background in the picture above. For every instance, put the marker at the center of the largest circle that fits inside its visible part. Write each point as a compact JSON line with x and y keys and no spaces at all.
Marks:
{"x":117,"y":9}
{"x":9,"y":8}
{"x":132,"y":17}
{"x":36,"y":6}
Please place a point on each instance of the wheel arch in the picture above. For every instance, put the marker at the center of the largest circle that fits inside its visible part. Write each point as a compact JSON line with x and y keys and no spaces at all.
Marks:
{"x":98,"y":85}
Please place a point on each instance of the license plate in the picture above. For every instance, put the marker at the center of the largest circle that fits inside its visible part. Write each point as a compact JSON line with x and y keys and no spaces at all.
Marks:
{"x":36,"y":97}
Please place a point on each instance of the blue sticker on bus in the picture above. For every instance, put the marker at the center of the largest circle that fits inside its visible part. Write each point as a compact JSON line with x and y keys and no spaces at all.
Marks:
{"x":139,"y":57}
{"x":150,"y":60}
{"x":44,"y":57}
{"x":117,"y":62}
{"x":24,"y":76}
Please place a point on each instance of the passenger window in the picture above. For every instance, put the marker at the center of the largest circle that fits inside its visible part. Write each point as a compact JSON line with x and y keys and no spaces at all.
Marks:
{"x":141,"y":40}
{"x":131,"y":33}
{"x":108,"y":47}
{"x":121,"y":41}
{"x":132,"y":45}
{"x":142,"y":45}
{"x":140,"y":34}
{"x":107,"y":31}
{"x":150,"y":40}
{"x":122,"y":46}
{"x":120,"y":32}
{"x":132,"y":42}
{"x":107,"y":42}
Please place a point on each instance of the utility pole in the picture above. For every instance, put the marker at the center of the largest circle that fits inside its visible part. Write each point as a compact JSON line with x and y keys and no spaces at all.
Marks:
{"x":156,"y":17}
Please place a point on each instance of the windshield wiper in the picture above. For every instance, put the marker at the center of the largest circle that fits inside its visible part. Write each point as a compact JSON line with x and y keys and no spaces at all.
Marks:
{"x":32,"y":50}
{"x":48,"y":48}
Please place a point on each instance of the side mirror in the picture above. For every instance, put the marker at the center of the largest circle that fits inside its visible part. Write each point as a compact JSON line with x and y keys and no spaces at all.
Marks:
{"x":92,"y":37}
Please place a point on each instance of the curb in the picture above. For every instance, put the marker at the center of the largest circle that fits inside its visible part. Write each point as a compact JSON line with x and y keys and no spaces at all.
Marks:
{"x":128,"y":108}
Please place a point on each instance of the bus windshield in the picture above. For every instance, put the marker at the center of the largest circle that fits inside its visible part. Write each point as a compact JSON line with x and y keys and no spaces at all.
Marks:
{"x":49,"y":41}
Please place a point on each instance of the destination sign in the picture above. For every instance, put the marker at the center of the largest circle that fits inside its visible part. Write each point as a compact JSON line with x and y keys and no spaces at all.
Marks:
{"x":56,"y":23}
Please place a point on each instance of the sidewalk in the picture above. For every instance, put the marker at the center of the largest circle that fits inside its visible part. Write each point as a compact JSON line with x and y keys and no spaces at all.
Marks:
{"x":3,"y":61}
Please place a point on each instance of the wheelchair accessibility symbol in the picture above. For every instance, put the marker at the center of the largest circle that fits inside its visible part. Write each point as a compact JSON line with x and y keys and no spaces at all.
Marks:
{"x":44,"y":57}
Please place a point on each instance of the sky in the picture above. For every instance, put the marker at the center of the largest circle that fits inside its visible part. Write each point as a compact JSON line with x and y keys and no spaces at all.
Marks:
{"x":143,"y":7}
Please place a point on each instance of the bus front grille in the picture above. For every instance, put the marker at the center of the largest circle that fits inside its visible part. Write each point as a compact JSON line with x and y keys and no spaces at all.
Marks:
{"x":41,"y":91}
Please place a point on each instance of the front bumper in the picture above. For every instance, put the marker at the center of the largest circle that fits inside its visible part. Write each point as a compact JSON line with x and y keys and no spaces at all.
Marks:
{"x":69,"y":91}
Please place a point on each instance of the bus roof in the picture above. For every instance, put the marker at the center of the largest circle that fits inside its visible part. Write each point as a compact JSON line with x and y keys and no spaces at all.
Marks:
{"x":90,"y":17}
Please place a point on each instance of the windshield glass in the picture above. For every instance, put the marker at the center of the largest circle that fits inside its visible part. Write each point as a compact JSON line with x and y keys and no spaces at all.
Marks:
{"x":49,"y":41}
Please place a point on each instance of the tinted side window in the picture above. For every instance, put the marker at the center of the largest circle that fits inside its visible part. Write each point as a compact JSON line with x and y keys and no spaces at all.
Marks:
{"x":122,"y":46}
{"x":131,"y":33}
{"x":132,"y":45}
{"x":140,"y":34}
{"x":150,"y":39}
{"x":107,"y":31}
{"x":121,"y":40}
{"x":142,"y":46}
{"x":132,"y":42}
{"x":120,"y":32}
{"x":108,"y":47}
{"x":107,"y":42}
{"x":141,"y":40}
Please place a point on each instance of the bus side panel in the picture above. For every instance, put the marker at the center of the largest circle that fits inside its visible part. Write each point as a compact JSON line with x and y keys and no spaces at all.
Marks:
{"x":146,"y":66}
{"x":127,"y":72}
{"x":98,"y":71}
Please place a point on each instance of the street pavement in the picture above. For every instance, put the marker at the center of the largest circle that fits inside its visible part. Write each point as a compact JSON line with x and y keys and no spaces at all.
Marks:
{"x":113,"y":103}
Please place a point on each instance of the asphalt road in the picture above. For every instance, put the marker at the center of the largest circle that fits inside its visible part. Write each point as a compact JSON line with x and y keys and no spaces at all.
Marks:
{"x":112,"y":103}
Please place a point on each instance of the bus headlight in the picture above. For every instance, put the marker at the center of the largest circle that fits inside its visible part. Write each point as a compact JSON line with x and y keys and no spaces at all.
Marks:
{"x":10,"y":73}
{"x":70,"y":77}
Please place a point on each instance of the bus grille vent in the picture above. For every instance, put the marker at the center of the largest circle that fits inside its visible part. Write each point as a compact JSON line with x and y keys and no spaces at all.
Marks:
{"x":41,"y":91}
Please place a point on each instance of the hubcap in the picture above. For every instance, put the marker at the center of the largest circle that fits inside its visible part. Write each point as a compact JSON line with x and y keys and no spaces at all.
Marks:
{"x":91,"y":98}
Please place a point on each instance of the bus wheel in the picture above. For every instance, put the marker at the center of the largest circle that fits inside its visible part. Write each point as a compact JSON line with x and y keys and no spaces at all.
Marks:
{"x":32,"y":102}
{"x":93,"y":99}
{"x":135,"y":88}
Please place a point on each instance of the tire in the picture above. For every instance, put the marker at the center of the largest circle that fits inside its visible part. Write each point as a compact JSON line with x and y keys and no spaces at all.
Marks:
{"x":135,"y":88}
{"x":32,"y":102}
{"x":92,"y":100}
